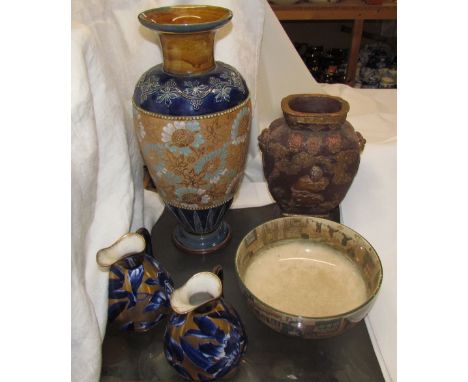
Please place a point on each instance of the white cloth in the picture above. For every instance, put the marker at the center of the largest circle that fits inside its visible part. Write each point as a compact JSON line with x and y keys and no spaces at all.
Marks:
{"x":110,"y":50}
{"x":370,"y":206}
{"x":107,"y":197}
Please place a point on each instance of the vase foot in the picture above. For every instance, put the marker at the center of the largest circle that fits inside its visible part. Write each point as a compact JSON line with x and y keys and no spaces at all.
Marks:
{"x":202,"y":244}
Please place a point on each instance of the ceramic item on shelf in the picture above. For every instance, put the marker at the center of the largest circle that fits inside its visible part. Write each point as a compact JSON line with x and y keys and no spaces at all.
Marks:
{"x":327,"y":239}
{"x":387,"y":78}
{"x":192,"y":118}
{"x":387,"y":83}
{"x":205,"y":338}
{"x":310,"y":156}
{"x":370,"y":77}
{"x":313,"y":58}
{"x":139,"y":287}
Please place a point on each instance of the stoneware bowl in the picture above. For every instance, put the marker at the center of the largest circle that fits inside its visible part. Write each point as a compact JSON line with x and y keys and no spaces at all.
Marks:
{"x":347,"y":242}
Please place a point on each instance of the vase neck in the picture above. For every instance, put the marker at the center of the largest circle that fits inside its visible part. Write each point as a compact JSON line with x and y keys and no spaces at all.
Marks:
{"x":188,"y":53}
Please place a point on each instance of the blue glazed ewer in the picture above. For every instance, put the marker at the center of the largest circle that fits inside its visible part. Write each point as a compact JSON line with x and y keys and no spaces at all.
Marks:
{"x":139,"y":287}
{"x":205,"y":338}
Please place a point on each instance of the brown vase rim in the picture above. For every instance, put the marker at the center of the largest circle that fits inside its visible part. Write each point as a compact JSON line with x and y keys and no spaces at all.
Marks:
{"x":307,"y":117}
{"x":185,"y":18}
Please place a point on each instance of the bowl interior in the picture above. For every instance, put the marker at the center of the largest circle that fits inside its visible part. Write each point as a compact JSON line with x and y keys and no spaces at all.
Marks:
{"x":345,"y":241}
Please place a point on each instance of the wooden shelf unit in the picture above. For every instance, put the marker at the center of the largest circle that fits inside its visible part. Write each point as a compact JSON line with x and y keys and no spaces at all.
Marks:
{"x":357,"y":10}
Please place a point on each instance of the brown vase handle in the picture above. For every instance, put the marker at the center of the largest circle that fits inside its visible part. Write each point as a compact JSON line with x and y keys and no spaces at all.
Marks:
{"x":218,"y":271}
{"x":147,"y":236}
{"x":361,"y":141}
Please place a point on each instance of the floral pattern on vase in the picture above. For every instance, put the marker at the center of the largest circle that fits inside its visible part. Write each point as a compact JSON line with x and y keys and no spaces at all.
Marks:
{"x":194,"y":162}
{"x":192,"y":117}
{"x":223,"y":86}
{"x":182,"y":137}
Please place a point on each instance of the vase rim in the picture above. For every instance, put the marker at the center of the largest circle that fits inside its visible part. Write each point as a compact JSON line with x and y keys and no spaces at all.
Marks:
{"x":185,"y":18}
{"x":202,"y":282}
{"x":131,"y":243}
{"x":328,"y":110}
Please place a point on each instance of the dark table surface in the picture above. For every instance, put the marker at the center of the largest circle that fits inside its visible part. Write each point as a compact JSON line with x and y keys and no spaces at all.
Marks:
{"x":270,"y":356}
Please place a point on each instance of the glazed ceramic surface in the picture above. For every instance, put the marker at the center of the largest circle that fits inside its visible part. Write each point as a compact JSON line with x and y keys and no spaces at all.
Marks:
{"x":194,"y":163}
{"x":192,"y":117}
{"x":220,"y":89}
{"x":204,"y":341}
{"x":139,"y":287}
{"x":310,"y":156}
{"x":337,"y":236}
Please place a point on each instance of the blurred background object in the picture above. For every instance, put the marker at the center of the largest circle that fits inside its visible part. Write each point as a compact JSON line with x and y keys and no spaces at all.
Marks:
{"x":352,"y":42}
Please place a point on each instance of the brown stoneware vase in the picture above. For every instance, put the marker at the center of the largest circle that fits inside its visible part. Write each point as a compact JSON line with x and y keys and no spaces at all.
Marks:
{"x":192,"y":118}
{"x":310,"y":156}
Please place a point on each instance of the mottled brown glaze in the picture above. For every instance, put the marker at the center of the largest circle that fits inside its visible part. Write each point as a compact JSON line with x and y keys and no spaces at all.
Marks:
{"x":187,"y":14}
{"x":187,"y":35}
{"x":188,"y":53}
{"x":310,"y":156}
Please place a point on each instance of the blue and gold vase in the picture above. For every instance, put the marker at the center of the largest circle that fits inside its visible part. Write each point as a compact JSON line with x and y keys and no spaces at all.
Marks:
{"x":139,"y":287}
{"x":192,"y":118}
{"x":205,"y":338}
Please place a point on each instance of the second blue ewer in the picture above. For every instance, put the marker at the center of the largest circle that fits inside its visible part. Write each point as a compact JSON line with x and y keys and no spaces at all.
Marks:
{"x":192,"y":117}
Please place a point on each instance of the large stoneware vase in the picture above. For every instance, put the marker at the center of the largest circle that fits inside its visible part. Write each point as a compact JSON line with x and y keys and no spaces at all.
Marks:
{"x":192,"y":117}
{"x":311,"y":156}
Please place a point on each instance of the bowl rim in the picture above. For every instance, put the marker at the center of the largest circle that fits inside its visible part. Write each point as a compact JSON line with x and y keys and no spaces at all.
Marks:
{"x":318,"y":318}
